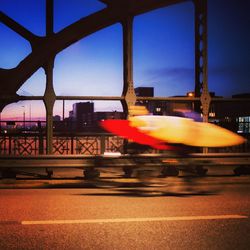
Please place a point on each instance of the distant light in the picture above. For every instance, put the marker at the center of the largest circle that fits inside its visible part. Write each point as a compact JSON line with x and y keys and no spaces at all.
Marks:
{"x":190,"y":94}
{"x":212,"y":114}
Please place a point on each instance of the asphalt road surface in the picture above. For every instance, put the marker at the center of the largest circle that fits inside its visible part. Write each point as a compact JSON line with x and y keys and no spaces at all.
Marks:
{"x":171,"y":213}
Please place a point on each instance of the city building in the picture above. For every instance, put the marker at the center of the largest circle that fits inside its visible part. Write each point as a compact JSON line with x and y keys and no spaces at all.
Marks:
{"x":81,"y":108}
{"x":229,"y":114}
{"x":56,"y":118}
{"x":160,"y":107}
{"x":144,"y":91}
{"x":81,"y":114}
{"x":234,"y":115}
{"x":83,"y":117}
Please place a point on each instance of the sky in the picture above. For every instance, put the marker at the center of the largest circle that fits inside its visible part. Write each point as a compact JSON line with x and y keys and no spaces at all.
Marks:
{"x":163,"y":52}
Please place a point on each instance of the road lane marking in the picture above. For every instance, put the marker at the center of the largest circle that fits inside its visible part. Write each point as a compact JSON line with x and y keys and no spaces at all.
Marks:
{"x":120,"y":220}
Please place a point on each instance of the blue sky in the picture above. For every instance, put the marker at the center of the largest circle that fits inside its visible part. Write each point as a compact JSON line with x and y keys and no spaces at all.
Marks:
{"x":163,"y":51}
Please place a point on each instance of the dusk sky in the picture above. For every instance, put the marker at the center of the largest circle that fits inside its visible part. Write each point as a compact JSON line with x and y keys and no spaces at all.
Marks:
{"x":163,"y":52}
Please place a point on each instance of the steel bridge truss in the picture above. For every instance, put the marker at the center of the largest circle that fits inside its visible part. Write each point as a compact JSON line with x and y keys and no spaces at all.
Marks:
{"x":45,"y":49}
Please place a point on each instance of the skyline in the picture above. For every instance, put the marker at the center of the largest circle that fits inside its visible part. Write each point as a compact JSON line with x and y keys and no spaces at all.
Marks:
{"x":163,"y":51}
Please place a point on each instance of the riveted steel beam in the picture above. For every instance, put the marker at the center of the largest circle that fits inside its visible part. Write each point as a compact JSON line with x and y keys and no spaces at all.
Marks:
{"x":49,"y":96}
{"x":128,"y":86}
{"x":201,"y":83}
{"x":120,"y":98}
{"x":49,"y":101}
{"x":47,"y":47}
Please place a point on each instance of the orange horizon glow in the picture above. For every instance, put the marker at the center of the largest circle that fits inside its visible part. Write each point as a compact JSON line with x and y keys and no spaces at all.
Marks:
{"x":35,"y":110}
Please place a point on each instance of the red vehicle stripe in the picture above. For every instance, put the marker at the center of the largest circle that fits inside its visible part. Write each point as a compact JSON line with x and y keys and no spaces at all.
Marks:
{"x":124,"y":129}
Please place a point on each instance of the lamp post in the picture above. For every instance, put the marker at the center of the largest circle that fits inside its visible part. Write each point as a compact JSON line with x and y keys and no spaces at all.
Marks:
{"x":30,"y":118}
{"x":23,"y":117}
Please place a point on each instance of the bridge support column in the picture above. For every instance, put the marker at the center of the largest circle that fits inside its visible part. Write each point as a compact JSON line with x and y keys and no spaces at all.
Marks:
{"x":201,"y":83}
{"x":128,"y":86}
{"x":49,"y":96}
{"x":49,"y":100}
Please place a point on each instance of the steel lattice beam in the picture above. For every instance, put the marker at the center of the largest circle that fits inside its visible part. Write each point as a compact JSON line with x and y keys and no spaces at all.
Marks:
{"x":44,"y":48}
{"x":201,"y":83}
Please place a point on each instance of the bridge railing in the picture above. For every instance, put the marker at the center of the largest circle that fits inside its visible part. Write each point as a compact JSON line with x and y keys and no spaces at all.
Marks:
{"x":63,"y":144}
{"x":78,"y":143}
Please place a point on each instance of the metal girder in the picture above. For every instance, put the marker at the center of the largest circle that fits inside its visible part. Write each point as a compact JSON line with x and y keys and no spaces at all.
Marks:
{"x":44,"y":48}
{"x":49,"y":101}
{"x":121,"y":98}
{"x":201,"y":83}
{"x":49,"y":95}
{"x":128,"y":86}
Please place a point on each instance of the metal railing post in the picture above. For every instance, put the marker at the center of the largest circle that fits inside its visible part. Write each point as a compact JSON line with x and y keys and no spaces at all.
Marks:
{"x":102,"y":144}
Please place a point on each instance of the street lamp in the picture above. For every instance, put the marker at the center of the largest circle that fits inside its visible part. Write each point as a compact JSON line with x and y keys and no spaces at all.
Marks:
{"x":30,"y":118}
{"x":23,"y":117}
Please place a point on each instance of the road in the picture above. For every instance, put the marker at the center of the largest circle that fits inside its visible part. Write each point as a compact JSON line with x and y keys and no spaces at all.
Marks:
{"x":210,"y":213}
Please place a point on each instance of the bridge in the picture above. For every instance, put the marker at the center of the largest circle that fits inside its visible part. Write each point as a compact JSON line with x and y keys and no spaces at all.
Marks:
{"x":15,"y":149}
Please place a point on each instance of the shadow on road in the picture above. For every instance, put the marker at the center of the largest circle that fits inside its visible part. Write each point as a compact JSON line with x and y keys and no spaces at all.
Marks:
{"x":149,"y":193}
{"x":153,"y":188}
{"x":182,"y":186}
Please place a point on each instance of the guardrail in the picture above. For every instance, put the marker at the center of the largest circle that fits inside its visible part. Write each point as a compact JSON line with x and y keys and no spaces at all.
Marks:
{"x":169,"y":164}
{"x":81,"y":161}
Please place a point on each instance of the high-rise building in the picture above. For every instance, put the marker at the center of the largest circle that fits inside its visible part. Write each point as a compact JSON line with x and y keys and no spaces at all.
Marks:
{"x":81,"y":108}
{"x":81,"y":113}
{"x":83,"y":117}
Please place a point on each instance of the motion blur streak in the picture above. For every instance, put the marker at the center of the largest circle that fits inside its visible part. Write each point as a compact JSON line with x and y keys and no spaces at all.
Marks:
{"x":173,"y":129}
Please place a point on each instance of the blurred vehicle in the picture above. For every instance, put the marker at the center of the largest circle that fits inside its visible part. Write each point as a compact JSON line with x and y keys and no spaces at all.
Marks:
{"x":174,"y":134}
{"x":162,"y":132}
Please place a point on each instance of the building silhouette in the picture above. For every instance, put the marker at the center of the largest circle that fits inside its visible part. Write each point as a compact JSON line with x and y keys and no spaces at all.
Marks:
{"x":84,"y":118}
{"x":232,"y":115}
{"x":81,"y":114}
